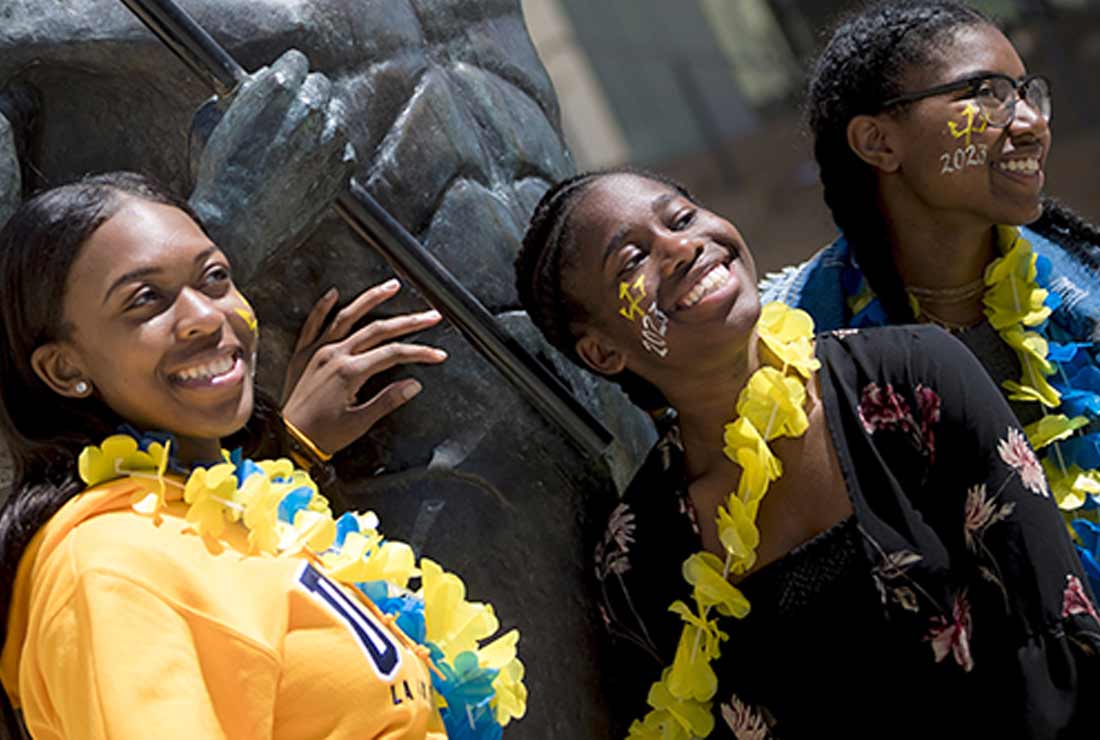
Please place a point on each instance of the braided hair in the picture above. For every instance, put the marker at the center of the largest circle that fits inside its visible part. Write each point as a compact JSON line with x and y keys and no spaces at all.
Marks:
{"x":546,"y":255}
{"x":862,"y":67}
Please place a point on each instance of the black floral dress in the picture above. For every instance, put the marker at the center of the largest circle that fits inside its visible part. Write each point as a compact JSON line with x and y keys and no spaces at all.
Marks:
{"x":949,"y":603}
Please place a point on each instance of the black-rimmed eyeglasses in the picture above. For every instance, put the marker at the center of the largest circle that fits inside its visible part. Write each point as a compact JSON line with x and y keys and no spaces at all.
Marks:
{"x":995,"y":94}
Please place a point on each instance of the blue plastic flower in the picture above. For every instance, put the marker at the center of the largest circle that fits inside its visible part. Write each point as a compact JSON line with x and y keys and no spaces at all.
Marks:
{"x":1082,"y":451}
{"x":346,"y":524}
{"x":293,"y":502}
{"x":1089,"y":550}
{"x":467,"y":688}
{"x":1064,"y":352}
{"x":408,"y":609}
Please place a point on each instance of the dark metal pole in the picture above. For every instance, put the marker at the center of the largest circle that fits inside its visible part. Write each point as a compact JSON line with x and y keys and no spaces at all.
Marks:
{"x":199,"y":51}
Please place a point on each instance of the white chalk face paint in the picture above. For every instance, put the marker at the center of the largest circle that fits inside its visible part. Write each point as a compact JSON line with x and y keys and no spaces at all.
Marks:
{"x":654,"y":331}
{"x":969,"y":154}
{"x":654,"y":322}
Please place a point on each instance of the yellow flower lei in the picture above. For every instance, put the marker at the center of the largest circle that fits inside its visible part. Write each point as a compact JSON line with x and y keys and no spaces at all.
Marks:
{"x":1014,"y":305}
{"x":771,"y":405}
{"x":453,"y":626}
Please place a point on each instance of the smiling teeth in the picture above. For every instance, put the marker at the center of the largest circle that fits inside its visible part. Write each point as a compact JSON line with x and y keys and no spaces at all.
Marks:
{"x":713,"y":280}
{"x":209,"y":370}
{"x":1026,"y":166}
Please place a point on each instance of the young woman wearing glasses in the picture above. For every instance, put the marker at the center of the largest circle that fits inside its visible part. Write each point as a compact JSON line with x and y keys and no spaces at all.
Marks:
{"x":932,"y":140}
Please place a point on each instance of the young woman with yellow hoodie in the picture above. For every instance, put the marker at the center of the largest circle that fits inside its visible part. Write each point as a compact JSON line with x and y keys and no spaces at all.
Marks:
{"x":154,"y":584}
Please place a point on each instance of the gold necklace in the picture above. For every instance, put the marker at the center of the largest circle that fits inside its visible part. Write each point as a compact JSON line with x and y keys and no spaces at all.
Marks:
{"x":958,"y":294}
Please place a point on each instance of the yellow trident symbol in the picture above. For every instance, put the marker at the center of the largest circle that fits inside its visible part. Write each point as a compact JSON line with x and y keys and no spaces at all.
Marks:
{"x":631,"y":296}
{"x":971,"y":111}
{"x":247,"y":313}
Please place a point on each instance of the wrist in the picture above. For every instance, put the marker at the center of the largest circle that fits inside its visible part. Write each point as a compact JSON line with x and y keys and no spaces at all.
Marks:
{"x":307,"y":455}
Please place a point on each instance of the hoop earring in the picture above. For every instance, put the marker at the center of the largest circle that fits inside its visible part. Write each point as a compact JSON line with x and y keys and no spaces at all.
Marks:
{"x":81,"y":387}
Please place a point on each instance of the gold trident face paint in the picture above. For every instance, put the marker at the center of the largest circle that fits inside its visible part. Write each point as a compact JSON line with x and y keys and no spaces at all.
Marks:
{"x":969,"y":154}
{"x":247,"y":313}
{"x":654,"y":322}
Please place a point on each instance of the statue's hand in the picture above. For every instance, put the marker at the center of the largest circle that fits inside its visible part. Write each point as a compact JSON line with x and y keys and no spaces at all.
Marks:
{"x":331,"y":363}
{"x":273,"y":163}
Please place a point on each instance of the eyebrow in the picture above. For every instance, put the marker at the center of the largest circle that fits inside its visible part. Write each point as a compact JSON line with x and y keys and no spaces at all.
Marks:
{"x":616,"y":240}
{"x":143,"y":272}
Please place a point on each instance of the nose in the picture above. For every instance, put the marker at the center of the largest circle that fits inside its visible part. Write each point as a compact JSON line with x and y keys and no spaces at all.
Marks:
{"x":1027,"y":119}
{"x":676,"y":251}
{"x":196,"y":315}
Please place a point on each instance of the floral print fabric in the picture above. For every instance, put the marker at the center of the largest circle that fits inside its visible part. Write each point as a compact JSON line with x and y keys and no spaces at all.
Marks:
{"x":951,"y":602}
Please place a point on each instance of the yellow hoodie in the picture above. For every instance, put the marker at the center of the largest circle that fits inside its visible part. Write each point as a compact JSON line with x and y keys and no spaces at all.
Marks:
{"x":122,"y":628}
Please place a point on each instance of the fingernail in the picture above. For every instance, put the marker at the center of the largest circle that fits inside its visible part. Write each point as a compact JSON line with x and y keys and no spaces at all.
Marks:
{"x":391,"y":284}
{"x":431,"y":315}
{"x":441,"y":354}
{"x":411,"y":389}
{"x":330,"y":293}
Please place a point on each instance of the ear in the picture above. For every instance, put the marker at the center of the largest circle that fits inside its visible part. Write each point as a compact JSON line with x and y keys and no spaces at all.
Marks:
{"x":54,"y":364}
{"x":600,"y":355}
{"x":872,"y":139}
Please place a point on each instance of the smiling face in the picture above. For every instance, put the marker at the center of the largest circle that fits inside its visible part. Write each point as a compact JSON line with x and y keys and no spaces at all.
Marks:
{"x":953,"y":165}
{"x":664,"y":282}
{"x":156,"y":328}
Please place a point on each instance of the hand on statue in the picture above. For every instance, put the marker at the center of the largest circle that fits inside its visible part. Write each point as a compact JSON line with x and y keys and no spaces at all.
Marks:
{"x":330,"y":365}
{"x":273,"y":163}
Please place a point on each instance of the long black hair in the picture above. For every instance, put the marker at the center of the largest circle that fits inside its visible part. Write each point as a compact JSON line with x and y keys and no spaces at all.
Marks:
{"x":548,"y":252}
{"x":43,"y":431}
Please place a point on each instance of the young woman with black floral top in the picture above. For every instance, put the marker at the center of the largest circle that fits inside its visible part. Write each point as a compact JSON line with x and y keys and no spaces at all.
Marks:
{"x":906,"y":573}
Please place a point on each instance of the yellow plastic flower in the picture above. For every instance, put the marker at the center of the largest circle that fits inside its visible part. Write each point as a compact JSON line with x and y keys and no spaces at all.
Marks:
{"x":314,"y":529}
{"x":1053,"y":428}
{"x":658,"y":724}
{"x":773,"y":403}
{"x":280,"y":468}
{"x":691,"y":675}
{"x":759,"y":467}
{"x":510,"y":699}
{"x":788,"y":333}
{"x":394,"y":562}
{"x":117,"y":457}
{"x":209,"y":491}
{"x":693,"y":716}
{"x":738,"y":533}
{"x":1070,"y":485}
{"x":453,"y":624}
{"x":152,"y":503}
{"x":1012,"y":300}
{"x":703,"y":570}
{"x":349,"y":565}
{"x":261,"y":516}
{"x":1040,"y":391}
{"x":1030,"y":347}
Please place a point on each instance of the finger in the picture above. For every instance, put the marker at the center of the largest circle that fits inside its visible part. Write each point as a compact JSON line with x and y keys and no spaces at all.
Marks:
{"x":386,"y":401}
{"x":311,"y":327}
{"x":363,"y":304}
{"x":362,"y":366}
{"x":291,"y":68}
{"x":383,"y":330}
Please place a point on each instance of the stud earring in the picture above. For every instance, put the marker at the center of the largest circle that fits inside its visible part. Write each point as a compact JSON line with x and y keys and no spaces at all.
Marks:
{"x":81,"y":387}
